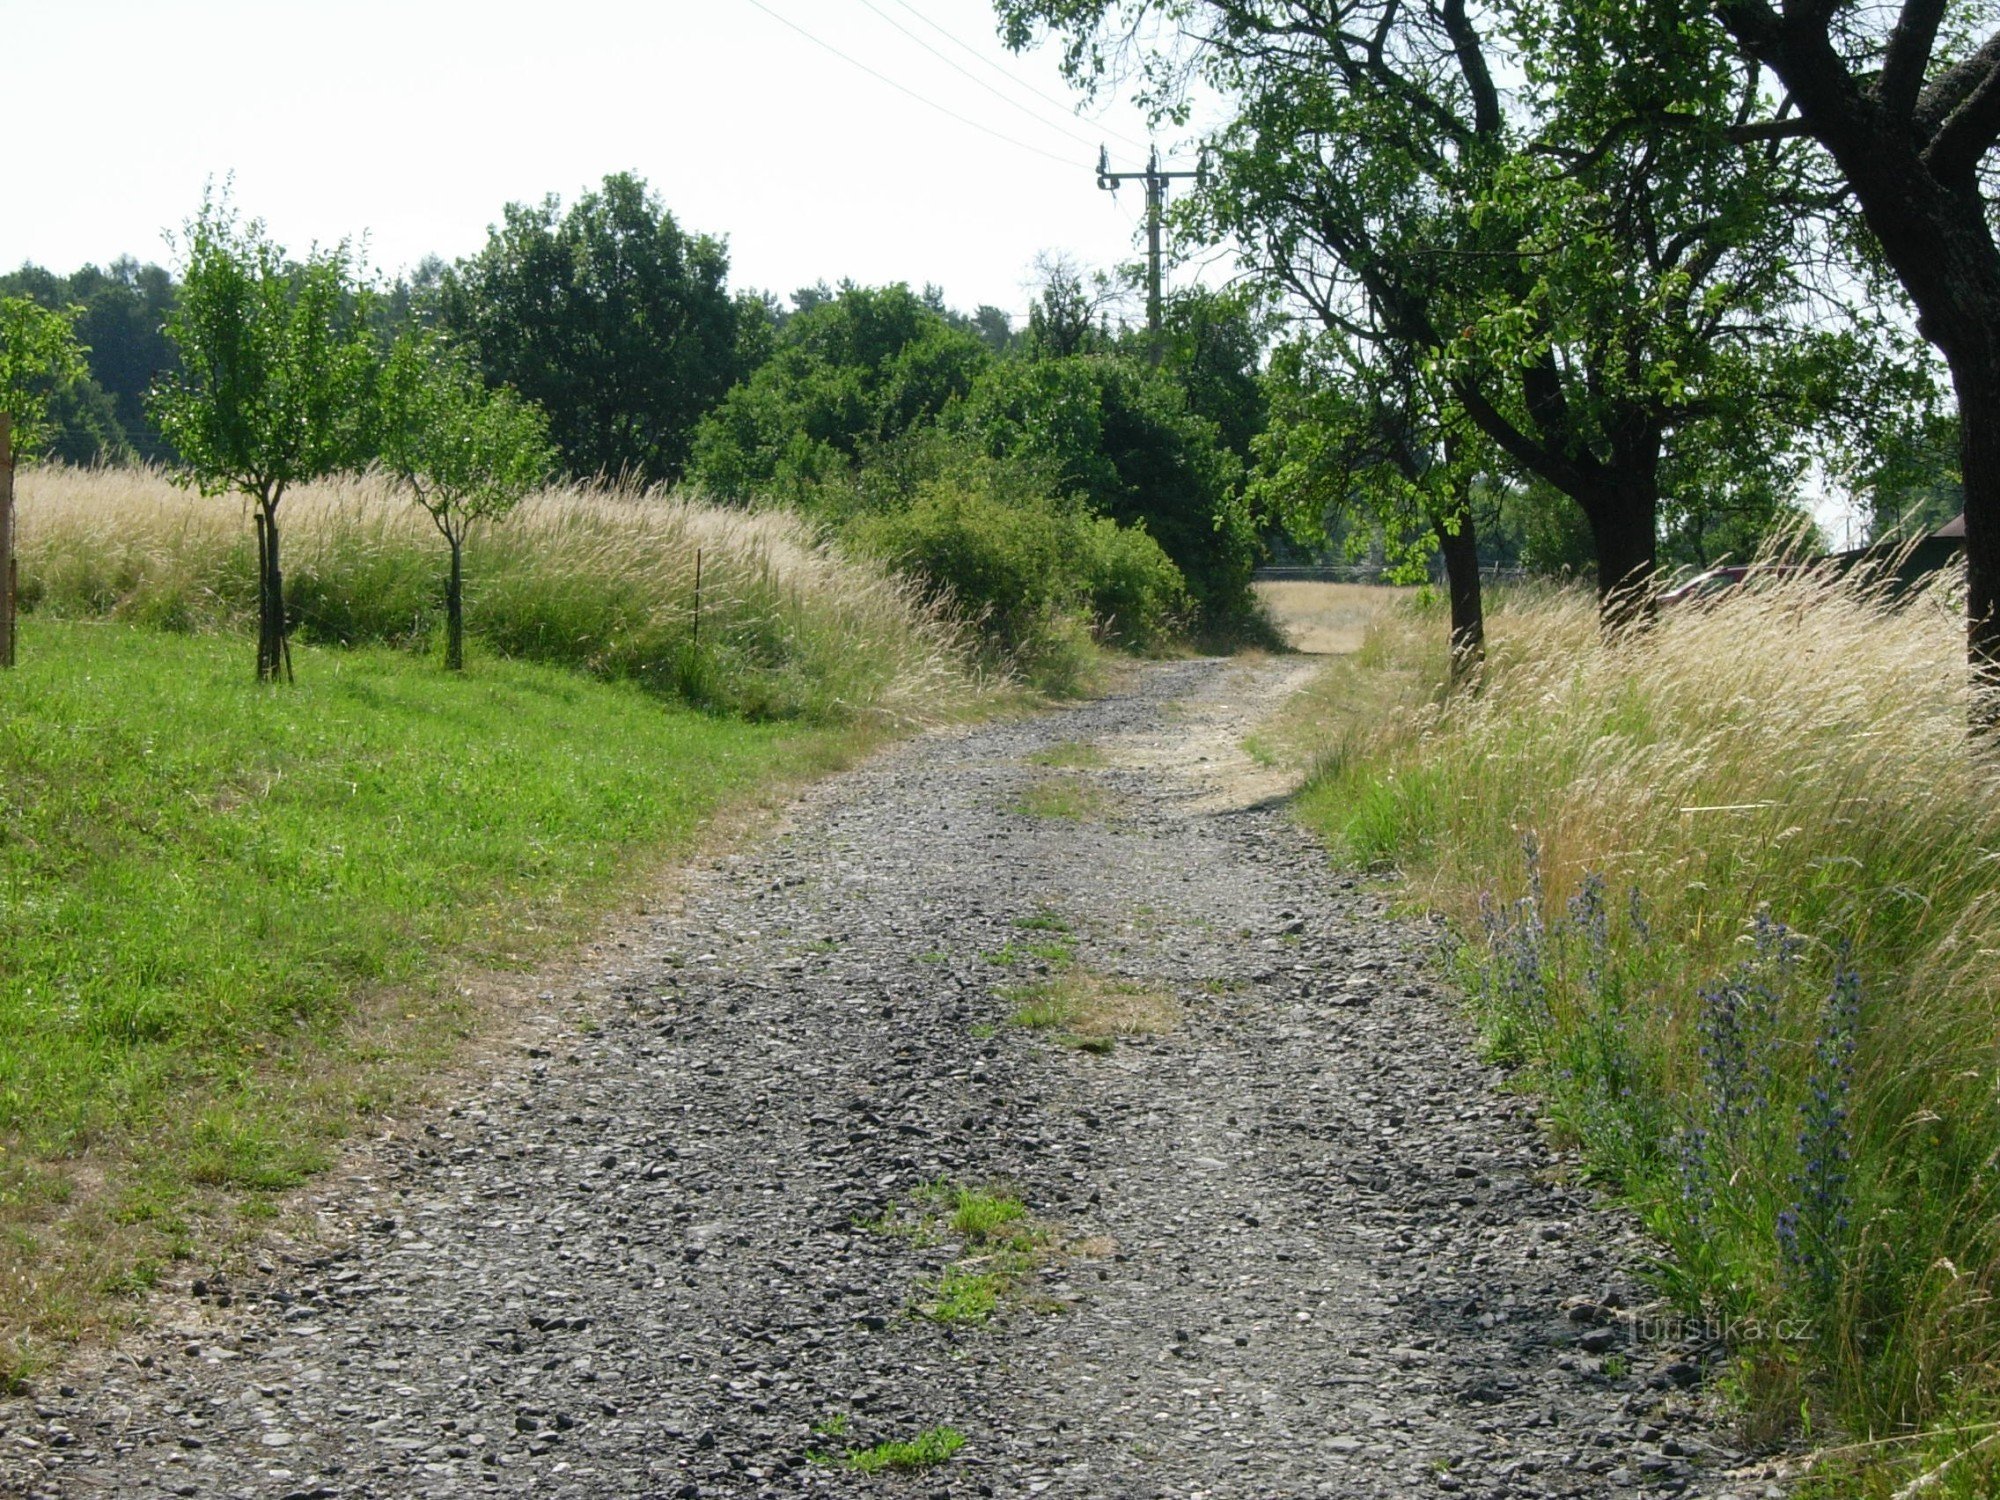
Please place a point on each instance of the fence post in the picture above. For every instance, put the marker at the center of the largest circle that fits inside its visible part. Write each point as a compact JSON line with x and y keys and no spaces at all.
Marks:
{"x":8,"y":574}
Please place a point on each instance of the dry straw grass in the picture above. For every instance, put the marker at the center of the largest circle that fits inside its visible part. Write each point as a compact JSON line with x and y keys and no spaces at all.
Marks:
{"x":1799,"y":749}
{"x":597,"y":578}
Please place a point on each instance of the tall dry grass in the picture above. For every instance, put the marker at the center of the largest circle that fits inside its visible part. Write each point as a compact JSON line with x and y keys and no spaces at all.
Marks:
{"x":601,"y":579}
{"x":1730,"y":891}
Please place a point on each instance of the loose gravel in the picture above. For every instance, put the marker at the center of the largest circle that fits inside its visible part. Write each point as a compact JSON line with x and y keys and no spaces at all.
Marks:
{"x":1300,"y":1243}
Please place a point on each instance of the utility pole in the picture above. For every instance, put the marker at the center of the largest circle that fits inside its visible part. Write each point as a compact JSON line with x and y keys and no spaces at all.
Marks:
{"x":7,"y":573}
{"x":1156,"y":202}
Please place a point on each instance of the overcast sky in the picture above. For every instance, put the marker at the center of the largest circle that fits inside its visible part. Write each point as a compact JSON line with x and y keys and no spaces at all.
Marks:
{"x":414,"y":121}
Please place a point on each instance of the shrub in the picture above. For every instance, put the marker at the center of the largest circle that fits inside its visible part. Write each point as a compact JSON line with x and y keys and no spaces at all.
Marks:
{"x":1034,"y":573}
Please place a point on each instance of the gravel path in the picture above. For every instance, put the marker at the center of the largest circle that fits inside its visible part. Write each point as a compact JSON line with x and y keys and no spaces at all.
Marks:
{"x":1295,"y":1243}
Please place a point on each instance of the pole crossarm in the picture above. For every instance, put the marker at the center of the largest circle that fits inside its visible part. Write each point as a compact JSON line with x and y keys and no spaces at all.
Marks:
{"x":1156,"y":180}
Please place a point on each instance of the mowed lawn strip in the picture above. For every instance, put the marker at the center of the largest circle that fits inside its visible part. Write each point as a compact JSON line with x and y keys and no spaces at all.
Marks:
{"x":200,"y":876}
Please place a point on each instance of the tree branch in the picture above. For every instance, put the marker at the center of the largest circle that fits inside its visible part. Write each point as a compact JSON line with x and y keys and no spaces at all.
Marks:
{"x":1909,"y":56}
{"x":1965,"y":103}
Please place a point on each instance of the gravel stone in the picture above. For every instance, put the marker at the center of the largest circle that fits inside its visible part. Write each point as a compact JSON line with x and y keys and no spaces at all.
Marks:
{"x":1311,"y":1250}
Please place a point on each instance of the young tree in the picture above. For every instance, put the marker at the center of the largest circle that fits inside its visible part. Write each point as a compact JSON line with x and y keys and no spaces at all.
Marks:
{"x":465,"y":453}
{"x":39,"y":354}
{"x":273,"y":384}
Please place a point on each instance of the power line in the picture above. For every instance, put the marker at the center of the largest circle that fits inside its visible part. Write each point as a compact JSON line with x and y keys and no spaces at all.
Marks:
{"x":1064,"y":105}
{"x":1033,"y":114}
{"x":903,"y":89}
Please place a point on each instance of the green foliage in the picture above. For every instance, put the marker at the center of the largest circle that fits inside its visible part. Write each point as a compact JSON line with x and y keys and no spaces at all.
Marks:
{"x":465,"y":453}
{"x":275,"y":365}
{"x":1589,"y":264}
{"x":120,"y":314}
{"x":197,"y":873}
{"x":925,"y":1450}
{"x":1215,"y":344}
{"x":1032,"y":571}
{"x":39,"y":356}
{"x":610,"y":317}
{"x":849,"y":372}
{"x":1121,"y":441}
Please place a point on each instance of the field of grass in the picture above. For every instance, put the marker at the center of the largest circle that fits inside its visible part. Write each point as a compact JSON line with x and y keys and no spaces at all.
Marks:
{"x":237,"y":921}
{"x":1325,"y":619}
{"x":1729,"y":894}
{"x":600,"y":580}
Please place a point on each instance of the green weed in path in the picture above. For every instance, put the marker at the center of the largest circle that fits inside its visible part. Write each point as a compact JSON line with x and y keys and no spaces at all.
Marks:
{"x":923,"y":1451}
{"x":199,"y":877}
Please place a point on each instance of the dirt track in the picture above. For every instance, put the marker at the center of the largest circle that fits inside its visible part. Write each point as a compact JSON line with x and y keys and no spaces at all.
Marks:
{"x":1294,"y":1242}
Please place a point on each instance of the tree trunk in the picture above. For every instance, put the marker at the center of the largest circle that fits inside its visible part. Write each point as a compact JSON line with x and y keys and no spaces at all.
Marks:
{"x":1975,"y":377}
{"x":1461,"y":573}
{"x":7,"y":576}
{"x":264,"y":671}
{"x":1624,"y":527}
{"x":1916,"y":177}
{"x":454,"y":610}
{"x":273,"y":654}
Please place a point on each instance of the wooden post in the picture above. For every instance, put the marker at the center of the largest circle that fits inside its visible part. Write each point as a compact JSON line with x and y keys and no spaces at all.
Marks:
{"x":8,"y":576}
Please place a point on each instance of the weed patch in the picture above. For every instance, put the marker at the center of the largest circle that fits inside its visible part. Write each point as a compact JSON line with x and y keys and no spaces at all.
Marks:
{"x":999,"y":1246}
{"x":924,"y":1451}
{"x":1090,"y":1011}
{"x":1064,"y":798}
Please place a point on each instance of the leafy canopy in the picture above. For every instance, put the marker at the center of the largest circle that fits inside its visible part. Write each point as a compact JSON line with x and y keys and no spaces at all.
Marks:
{"x":275,"y":363}
{"x":39,"y":354}
{"x":610,"y":317}
{"x":850,"y":371}
{"x":464,"y":452}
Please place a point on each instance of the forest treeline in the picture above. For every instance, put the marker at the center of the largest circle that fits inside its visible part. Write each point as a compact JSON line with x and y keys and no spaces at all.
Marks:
{"x":1070,"y":471}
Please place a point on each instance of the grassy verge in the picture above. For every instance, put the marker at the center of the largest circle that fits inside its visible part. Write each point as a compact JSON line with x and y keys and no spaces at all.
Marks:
{"x":1729,"y":895}
{"x":228,"y":914}
{"x":747,"y":612}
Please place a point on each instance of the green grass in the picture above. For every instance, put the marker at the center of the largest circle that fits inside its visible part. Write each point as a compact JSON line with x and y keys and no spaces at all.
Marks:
{"x":1061,"y":798}
{"x":924,"y":1451}
{"x":1045,"y":920}
{"x":999,"y":1245}
{"x":597,"y":579}
{"x":964,"y":1297}
{"x":1057,"y":954}
{"x":203,"y":882}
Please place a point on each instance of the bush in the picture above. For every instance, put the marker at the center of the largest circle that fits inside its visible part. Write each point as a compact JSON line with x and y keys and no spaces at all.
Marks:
{"x":1121,"y":441}
{"x":1035,"y":574}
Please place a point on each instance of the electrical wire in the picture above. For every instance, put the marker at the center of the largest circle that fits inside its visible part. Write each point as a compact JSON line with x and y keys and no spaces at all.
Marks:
{"x":966,"y":46}
{"x":904,"y":89}
{"x":1034,"y":114}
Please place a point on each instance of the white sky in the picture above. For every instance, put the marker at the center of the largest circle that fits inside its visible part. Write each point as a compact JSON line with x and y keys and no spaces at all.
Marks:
{"x":415,"y":120}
